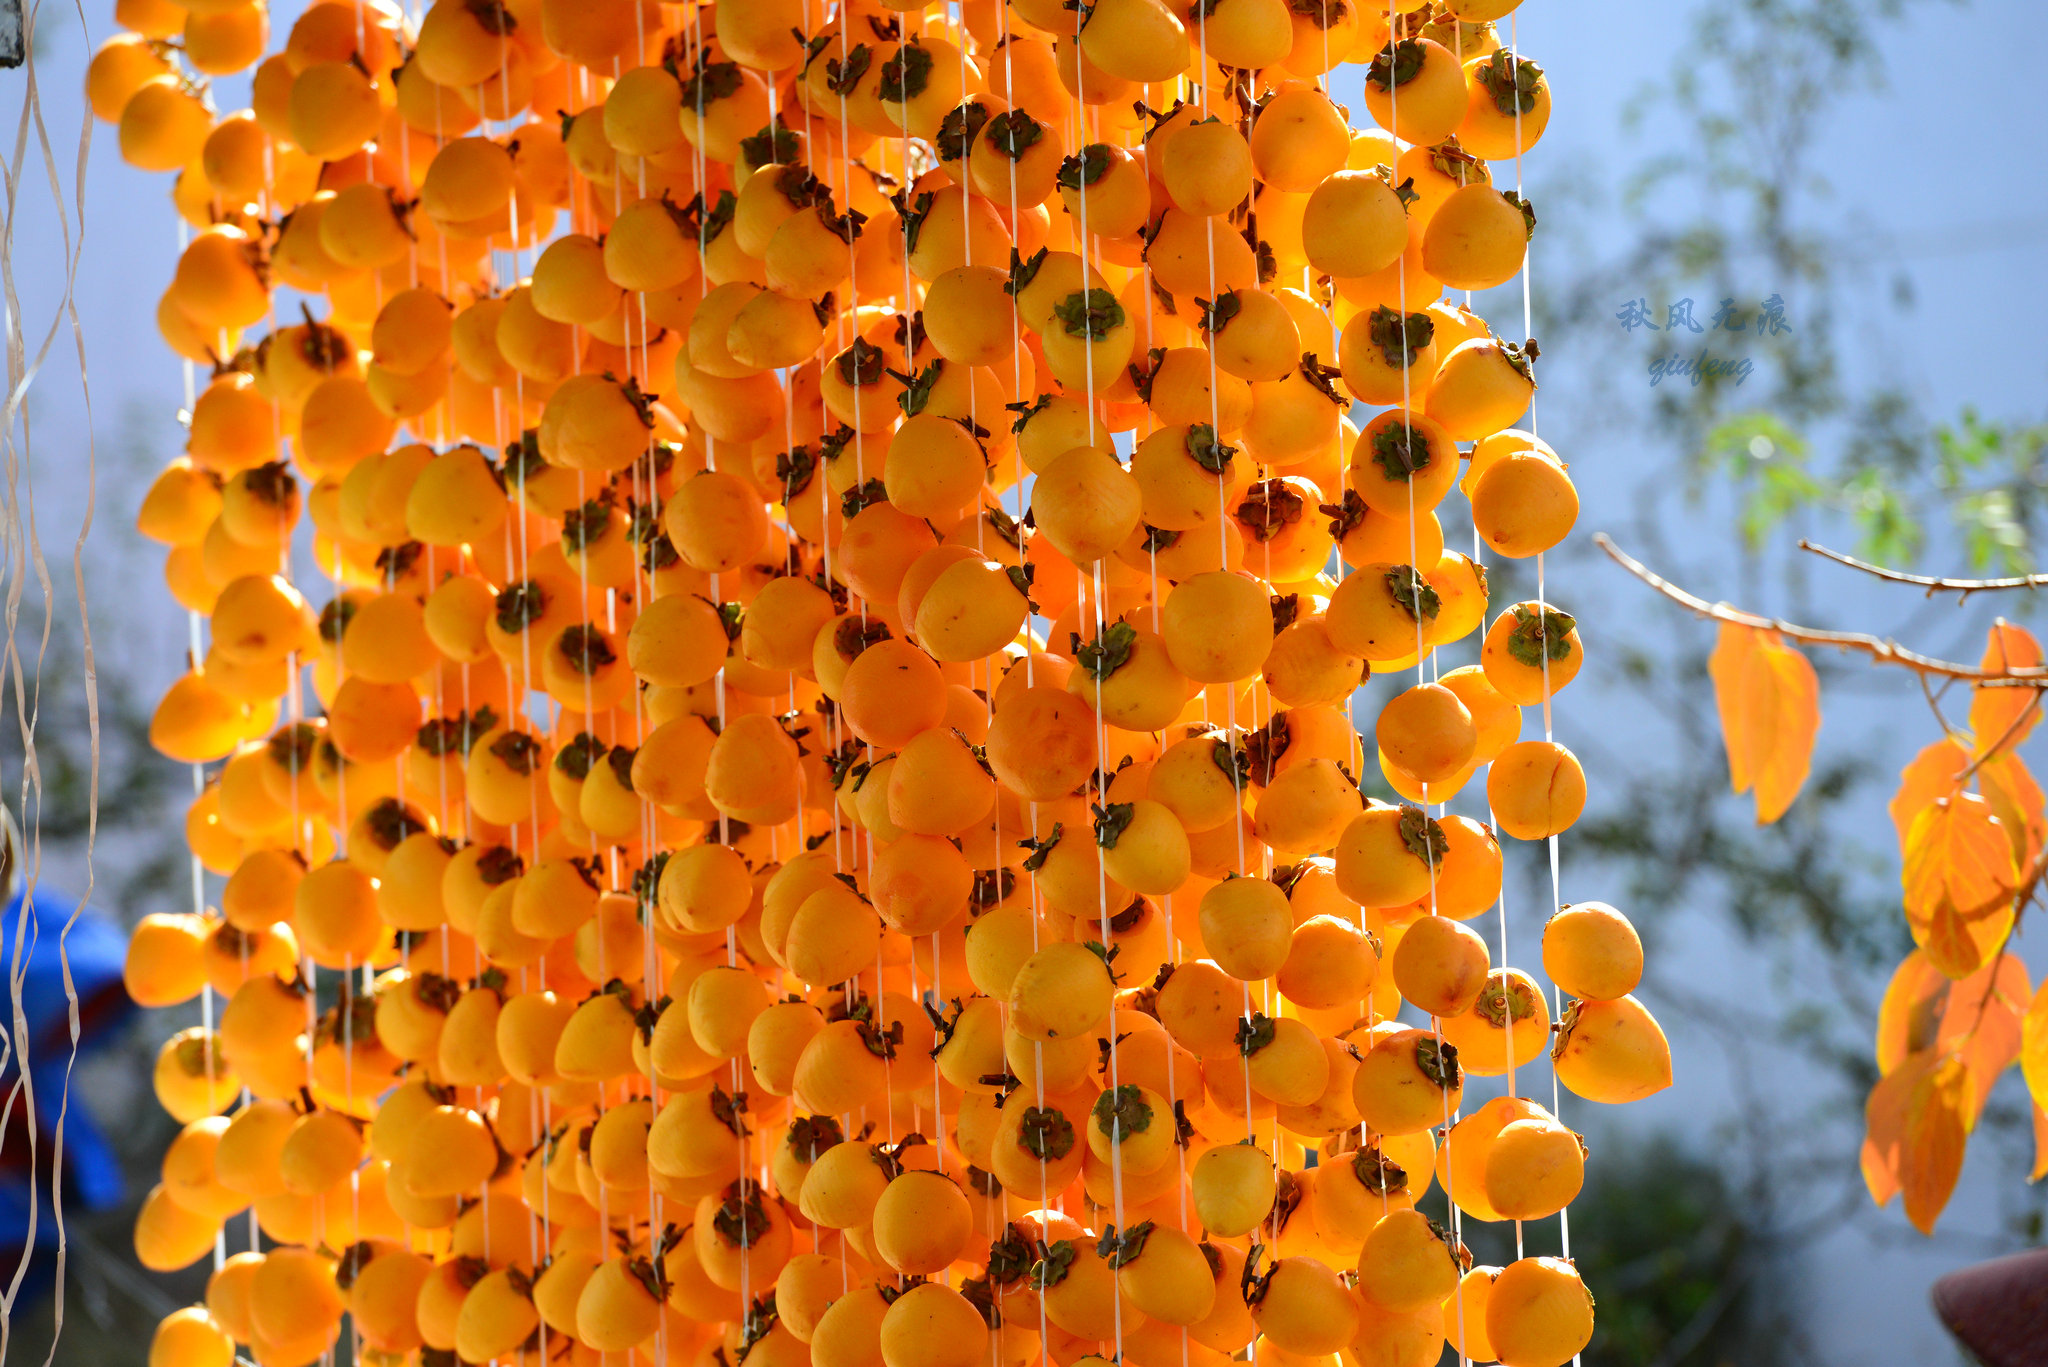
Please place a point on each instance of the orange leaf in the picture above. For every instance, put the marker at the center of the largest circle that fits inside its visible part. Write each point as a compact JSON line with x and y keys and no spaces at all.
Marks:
{"x":1909,"y":1019}
{"x":1983,"y":1025}
{"x":1884,"y":1123}
{"x":2018,"y":803}
{"x":1931,"y":1143}
{"x":1779,"y":770}
{"x":1727,"y":666}
{"x":1957,"y":853}
{"x":1976,"y":1019}
{"x":2034,"y":1047}
{"x":2040,"y":1144}
{"x":1995,"y":711}
{"x":1959,"y":945}
{"x":1934,"y":773}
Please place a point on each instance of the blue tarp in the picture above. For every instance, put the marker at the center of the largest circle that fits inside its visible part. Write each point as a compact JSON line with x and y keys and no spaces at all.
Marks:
{"x":92,"y":1170}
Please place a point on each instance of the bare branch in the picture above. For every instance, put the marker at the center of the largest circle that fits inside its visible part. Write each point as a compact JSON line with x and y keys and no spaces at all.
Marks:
{"x":1932,"y":583}
{"x":1879,"y":649}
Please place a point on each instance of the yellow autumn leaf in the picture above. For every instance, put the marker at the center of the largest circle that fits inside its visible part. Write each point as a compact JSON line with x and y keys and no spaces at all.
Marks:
{"x":2003,"y":716}
{"x":1933,"y":774}
{"x":2040,"y":1144}
{"x":1727,"y":667}
{"x":1779,"y":767}
{"x":1960,"y":945}
{"x":1976,"y":1019}
{"x":2034,"y":1047}
{"x":1884,"y":1123}
{"x":1931,"y":1142}
{"x":1957,"y":854}
{"x":2018,"y":803}
{"x":1769,"y":701}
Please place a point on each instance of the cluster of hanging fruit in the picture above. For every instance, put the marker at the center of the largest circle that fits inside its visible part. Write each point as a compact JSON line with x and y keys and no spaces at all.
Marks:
{"x":819,"y":820}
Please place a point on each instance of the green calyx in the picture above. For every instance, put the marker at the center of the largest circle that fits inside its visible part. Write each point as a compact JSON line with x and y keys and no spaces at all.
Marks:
{"x":1527,"y":209}
{"x":1207,"y":451}
{"x":1400,"y":338}
{"x":1377,"y":1173}
{"x":1438,"y":1062}
{"x":1321,"y":13}
{"x":1217,"y":316}
{"x":794,"y":470}
{"x":1235,"y":765}
{"x":1413,"y":594}
{"x":905,"y":75}
{"x":958,"y":130}
{"x":861,"y":365}
{"x":1504,"y":1000}
{"x":1090,"y":314}
{"x":1121,"y":1112}
{"x":1396,"y":64}
{"x":1402,"y":451}
{"x":1117,"y":1249}
{"x":710,"y":83}
{"x":1111,"y":821}
{"x":843,"y":77}
{"x":1513,"y":83}
{"x":1254,"y":1033}
{"x":586,"y":649}
{"x":1023,"y":270}
{"x":772,"y":144}
{"x":1540,"y":633}
{"x":579,"y":755}
{"x":517,"y":751}
{"x":1041,"y":850}
{"x":1519,"y":358}
{"x":1013,"y":133}
{"x":1109,"y":652}
{"x":1086,"y":166}
{"x":1045,"y":1133}
{"x":1451,"y":161}
{"x":1054,"y":1261}
{"x":1269,"y":508}
{"x":1422,"y":835}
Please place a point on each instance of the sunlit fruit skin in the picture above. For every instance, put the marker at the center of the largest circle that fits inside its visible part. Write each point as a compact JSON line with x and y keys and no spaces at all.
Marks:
{"x":932,"y":1325}
{"x":1061,"y":992}
{"x":1591,"y":950}
{"x":1508,"y":107}
{"x":190,"y":1337}
{"x":1507,"y":1027}
{"x":1440,"y":966}
{"x":1409,"y":1263}
{"x":1612,"y":1051}
{"x":1168,"y":1277}
{"x":1384,"y":856}
{"x":618,"y":1308}
{"x":1534,"y":1169}
{"x":1477,"y":239}
{"x":1304,"y":1308}
{"x":921,"y":1223}
{"x":1407,"y":1082}
{"x":1539,"y":1314}
{"x":1536,"y":789}
{"x":1381,"y":612}
{"x":1524,"y":504}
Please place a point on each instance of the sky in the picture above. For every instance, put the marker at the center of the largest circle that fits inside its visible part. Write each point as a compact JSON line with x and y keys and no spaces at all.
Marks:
{"x":1937,"y":179}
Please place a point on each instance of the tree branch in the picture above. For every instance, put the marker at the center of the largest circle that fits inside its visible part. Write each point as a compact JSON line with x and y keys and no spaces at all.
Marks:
{"x":1879,"y":649}
{"x":1932,"y":583}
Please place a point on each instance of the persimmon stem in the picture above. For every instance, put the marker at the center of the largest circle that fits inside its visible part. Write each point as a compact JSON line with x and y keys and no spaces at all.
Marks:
{"x":1932,"y":583}
{"x":1879,"y":649}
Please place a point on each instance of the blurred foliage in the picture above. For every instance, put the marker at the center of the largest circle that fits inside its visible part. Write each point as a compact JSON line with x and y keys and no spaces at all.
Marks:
{"x":1733,"y":1211}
